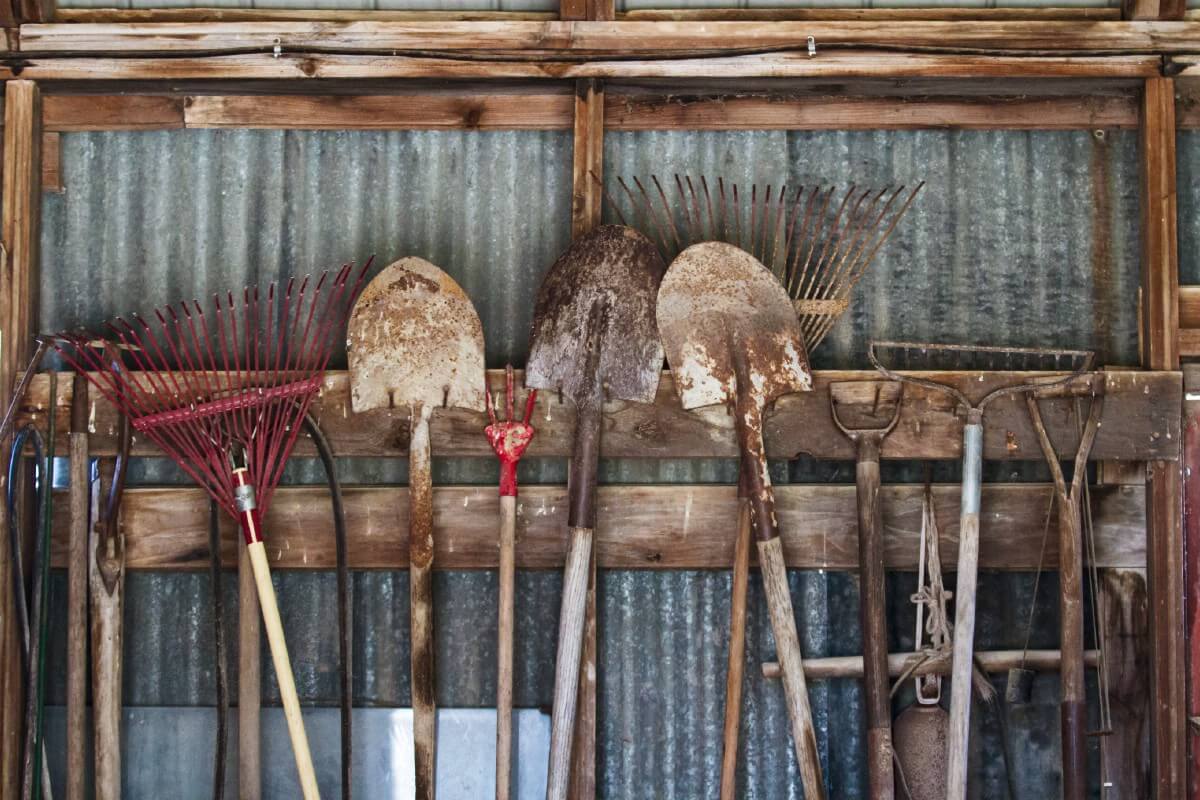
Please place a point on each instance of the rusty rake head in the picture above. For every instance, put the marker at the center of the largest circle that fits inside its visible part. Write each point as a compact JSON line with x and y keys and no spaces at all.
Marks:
{"x":1063,"y":366}
{"x":230,"y":382}
{"x":817,"y":240}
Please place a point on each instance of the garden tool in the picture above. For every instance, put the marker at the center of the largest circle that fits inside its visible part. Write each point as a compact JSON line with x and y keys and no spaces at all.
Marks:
{"x":737,"y":639}
{"x":594,"y":338}
{"x":415,"y":343}
{"x":732,"y":338}
{"x":508,"y":438}
{"x":224,"y":396}
{"x":974,"y":358}
{"x":866,"y":412}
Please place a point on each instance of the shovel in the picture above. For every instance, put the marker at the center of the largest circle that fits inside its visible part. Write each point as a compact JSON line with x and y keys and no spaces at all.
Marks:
{"x":866,"y":412}
{"x":594,"y":338}
{"x":732,"y":338}
{"x":415,"y":342}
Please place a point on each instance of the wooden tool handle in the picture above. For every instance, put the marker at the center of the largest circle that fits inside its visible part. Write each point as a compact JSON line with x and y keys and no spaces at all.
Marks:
{"x":566,"y":665}
{"x":873,"y":613}
{"x":77,"y":604}
{"x":249,"y":682}
{"x":107,"y":651}
{"x":737,"y":651}
{"x":504,"y":647}
{"x":283,"y":670}
{"x":964,"y":612}
{"x":787,"y":645}
{"x":420,"y":553}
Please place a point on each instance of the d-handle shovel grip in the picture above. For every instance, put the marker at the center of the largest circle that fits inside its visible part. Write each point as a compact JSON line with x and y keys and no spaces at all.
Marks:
{"x":283,"y":670}
{"x":566,"y":669}
{"x":964,"y":610}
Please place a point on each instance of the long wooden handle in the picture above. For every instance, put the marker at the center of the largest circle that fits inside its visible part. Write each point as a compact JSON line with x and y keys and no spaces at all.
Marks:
{"x":873,"y":613}
{"x":283,"y":670}
{"x":964,"y":611}
{"x":566,"y":665}
{"x":77,"y":603}
{"x":737,"y":651}
{"x":787,"y":645}
{"x":249,"y":683}
{"x":420,"y":576}
{"x":504,"y":647}
{"x":107,"y":648}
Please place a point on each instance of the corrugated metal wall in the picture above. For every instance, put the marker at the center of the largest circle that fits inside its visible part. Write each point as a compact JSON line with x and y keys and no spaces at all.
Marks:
{"x":1004,"y":238}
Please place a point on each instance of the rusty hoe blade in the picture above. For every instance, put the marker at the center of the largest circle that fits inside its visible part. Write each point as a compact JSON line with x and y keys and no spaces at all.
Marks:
{"x":732,"y":337}
{"x":594,"y":338}
{"x":416,"y":343}
{"x":819,"y":245}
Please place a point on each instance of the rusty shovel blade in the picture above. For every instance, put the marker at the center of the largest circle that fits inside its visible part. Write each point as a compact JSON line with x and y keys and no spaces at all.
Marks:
{"x":719,"y":306}
{"x":593,"y":325}
{"x":415,"y":340}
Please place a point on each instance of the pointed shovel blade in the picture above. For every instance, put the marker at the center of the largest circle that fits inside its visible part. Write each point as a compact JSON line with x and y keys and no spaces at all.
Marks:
{"x":597,"y":300}
{"x":718,"y":305}
{"x":414,"y":339}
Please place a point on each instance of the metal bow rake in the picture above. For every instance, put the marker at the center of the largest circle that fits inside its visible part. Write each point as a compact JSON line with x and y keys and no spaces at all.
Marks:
{"x":225,"y":397}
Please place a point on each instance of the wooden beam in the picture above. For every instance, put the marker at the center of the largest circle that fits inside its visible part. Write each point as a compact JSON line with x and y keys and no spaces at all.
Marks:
{"x":842,"y":65}
{"x":624,"y":38}
{"x":588,"y":157}
{"x":426,"y":111}
{"x":213,"y":14}
{"x":19,"y":231}
{"x":1153,"y":9}
{"x":639,"y":527}
{"x":1191,"y":550}
{"x":1160,"y":321}
{"x":641,"y":112}
{"x":1141,"y":422}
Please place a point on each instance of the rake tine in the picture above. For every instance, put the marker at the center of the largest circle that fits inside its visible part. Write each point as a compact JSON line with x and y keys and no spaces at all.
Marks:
{"x":651,"y":212}
{"x":801,"y":237}
{"x":667,"y":212}
{"x":700,"y":229}
{"x":753,"y":220}
{"x":712,"y":222}
{"x":724,"y":207}
{"x":737,"y":218}
{"x":690,"y":227}
{"x":608,"y":198}
{"x":785,"y":268}
{"x":808,"y":272}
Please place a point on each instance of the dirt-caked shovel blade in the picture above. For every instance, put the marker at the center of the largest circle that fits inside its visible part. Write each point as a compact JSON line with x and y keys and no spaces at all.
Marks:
{"x":717,"y":305}
{"x":415,"y":340}
{"x":599,"y":294}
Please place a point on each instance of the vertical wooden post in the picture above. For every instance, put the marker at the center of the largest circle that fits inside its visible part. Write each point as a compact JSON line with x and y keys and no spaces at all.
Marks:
{"x":1191,"y":549}
{"x":19,"y":227}
{"x":249,"y":681}
{"x":1164,"y":545}
{"x":586,"y":198}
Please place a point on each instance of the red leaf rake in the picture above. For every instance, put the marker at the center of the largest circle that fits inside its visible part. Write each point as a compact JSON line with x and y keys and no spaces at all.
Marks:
{"x":225,"y":398}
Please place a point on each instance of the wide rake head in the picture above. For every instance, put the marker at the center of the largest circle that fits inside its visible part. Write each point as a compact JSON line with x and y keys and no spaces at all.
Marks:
{"x":228,"y":383}
{"x":817,"y":240}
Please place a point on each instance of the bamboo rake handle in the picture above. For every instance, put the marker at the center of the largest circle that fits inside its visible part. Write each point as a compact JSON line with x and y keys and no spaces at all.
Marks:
{"x":737,"y":651}
{"x":566,"y":671}
{"x":964,"y":611}
{"x":249,"y":683}
{"x":420,"y":521}
{"x":77,"y":622}
{"x":283,"y":670}
{"x":504,"y":666}
{"x":787,"y":643}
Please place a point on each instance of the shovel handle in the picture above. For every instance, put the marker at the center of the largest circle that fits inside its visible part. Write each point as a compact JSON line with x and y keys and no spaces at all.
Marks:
{"x":283,"y":670}
{"x":787,"y":644}
{"x":737,"y":650}
{"x":964,"y":610}
{"x":566,"y":669}
{"x":420,"y":555}
{"x":873,"y":613}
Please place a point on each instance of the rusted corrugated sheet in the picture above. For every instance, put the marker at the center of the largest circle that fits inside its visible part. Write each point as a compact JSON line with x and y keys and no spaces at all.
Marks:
{"x":1003,"y":239}
{"x":1187,"y":144}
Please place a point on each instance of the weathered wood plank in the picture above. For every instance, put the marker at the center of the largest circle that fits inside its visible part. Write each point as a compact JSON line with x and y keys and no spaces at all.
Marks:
{"x":215,"y":14}
{"x":625,"y":37}
{"x":844,"y":65}
{"x":639,"y":527}
{"x":1141,"y":422}
{"x":1160,"y":350}
{"x":382,"y":112}
{"x":638,"y":112}
{"x":112,"y":112}
{"x":51,"y":163}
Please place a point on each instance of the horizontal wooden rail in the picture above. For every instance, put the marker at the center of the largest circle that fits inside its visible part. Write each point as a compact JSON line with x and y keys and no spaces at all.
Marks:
{"x":621,"y":38}
{"x":639,"y":527}
{"x":303,"y":66}
{"x":1141,"y":422}
{"x":1189,"y":320}
{"x":544,"y":111}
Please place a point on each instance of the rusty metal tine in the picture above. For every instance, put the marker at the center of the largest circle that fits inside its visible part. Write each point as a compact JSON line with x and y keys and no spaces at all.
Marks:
{"x":834,"y":235}
{"x":800,"y":238}
{"x":753,"y":220}
{"x":892,"y":225}
{"x":785,"y":268}
{"x":777,"y":230}
{"x":700,"y":229}
{"x":724,"y":206}
{"x":666,"y":211}
{"x":689,"y":226}
{"x":712,"y":222}
{"x":662,"y":230}
{"x":808,"y":273}
{"x":608,"y":198}
{"x":852,"y":266}
{"x":856,"y":224}
{"x":737,"y":218}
